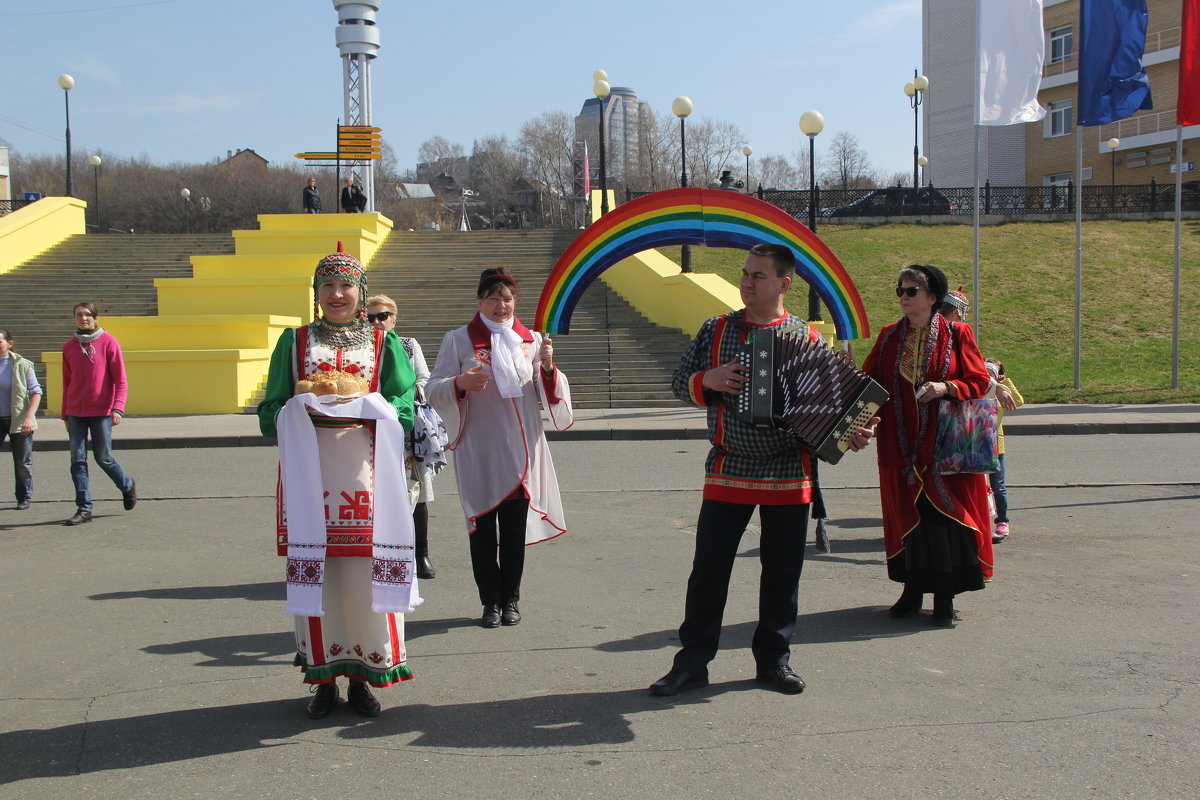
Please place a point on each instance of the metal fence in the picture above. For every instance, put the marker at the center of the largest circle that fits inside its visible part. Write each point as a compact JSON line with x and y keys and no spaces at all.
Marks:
{"x":957,"y":201}
{"x":9,"y":206}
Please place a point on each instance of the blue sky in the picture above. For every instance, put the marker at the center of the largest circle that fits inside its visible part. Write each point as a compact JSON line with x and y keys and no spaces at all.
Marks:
{"x":187,"y":80}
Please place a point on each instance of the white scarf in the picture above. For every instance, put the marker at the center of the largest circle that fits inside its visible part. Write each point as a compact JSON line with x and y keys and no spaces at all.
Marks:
{"x":393,"y":577}
{"x":509,"y":365}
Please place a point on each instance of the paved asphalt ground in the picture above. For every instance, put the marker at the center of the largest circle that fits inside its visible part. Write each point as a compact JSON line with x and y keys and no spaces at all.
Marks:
{"x":147,"y":655}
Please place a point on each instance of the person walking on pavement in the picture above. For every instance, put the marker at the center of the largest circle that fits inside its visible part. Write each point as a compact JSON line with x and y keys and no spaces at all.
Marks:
{"x":93,"y":402}
{"x":20,"y":396}
{"x":746,"y":467}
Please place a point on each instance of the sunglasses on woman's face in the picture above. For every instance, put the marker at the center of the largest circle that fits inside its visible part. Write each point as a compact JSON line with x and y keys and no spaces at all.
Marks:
{"x":382,"y":316}
{"x":902,"y":291}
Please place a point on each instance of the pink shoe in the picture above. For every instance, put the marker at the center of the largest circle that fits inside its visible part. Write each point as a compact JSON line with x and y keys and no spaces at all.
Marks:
{"x":1001,"y":532}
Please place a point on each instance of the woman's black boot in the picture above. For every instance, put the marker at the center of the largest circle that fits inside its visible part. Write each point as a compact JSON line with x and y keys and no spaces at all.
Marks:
{"x":425,"y":569}
{"x":943,"y":610}
{"x":909,"y":602}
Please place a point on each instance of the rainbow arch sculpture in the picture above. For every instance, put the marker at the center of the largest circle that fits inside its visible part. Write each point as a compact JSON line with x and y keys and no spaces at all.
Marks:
{"x":710,"y":217}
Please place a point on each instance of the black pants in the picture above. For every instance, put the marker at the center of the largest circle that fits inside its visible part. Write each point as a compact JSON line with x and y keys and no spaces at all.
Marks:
{"x":781,"y":554}
{"x":498,"y":569}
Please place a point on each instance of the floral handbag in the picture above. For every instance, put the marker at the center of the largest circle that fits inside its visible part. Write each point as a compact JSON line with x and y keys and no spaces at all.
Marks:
{"x":966,"y":437}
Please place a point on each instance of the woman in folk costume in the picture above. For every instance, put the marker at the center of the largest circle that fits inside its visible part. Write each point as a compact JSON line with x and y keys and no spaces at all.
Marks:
{"x":935,"y":527}
{"x":340,"y":398}
{"x":488,"y":380}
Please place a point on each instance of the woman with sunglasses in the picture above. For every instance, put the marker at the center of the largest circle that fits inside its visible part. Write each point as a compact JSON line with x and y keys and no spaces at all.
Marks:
{"x":490,"y":376}
{"x":381,"y":314}
{"x":935,"y":527}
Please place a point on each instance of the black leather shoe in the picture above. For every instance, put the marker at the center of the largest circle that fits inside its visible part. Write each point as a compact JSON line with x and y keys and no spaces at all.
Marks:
{"x":491,"y":617}
{"x":425,"y":570}
{"x":511,"y":615}
{"x":908,"y":603}
{"x":23,"y":505}
{"x":781,"y":679}
{"x":676,"y":681}
{"x":79,"y":518}
{"x":130,"y":498}
{"x":325,"y":697}
{"x":361,"y":700}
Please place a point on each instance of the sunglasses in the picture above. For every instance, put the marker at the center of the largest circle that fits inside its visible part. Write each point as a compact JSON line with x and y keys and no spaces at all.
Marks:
{"x":909,"y":291}
{"x":382,"y":316}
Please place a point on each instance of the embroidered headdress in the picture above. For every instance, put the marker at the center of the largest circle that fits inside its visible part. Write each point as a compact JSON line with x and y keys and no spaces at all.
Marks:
{"x":341,"y":266}
{"x":956,"y":298}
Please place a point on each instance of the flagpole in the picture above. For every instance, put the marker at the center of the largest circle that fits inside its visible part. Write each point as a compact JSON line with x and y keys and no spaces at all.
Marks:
{"x":975,"y":252}
{"x":1078,"y":248}
{"x":1178,"y":215}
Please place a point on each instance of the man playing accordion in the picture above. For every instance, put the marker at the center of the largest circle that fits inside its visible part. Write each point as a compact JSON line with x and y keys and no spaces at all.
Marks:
{"x":747,"y":466}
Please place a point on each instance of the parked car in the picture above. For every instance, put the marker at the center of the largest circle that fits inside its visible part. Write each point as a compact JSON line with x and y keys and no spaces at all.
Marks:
{"x":895,"y":201}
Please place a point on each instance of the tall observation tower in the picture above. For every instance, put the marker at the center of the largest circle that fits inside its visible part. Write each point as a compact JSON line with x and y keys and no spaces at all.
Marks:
{"x":358,"y":45}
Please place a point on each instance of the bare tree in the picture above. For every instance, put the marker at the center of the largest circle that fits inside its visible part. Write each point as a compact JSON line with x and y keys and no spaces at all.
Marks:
{"x":546,"y":143}
{"x":496,"y":173}
{"x":845,"y":163}
{"x":776,"y":172}
{"x":436,"y":148}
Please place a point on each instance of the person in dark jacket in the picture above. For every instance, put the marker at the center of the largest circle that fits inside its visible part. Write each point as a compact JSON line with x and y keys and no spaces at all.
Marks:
{"x":312,"y":197}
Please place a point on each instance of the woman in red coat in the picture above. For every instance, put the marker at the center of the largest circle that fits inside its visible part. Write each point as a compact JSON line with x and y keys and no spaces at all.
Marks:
{"x":935,"y":527}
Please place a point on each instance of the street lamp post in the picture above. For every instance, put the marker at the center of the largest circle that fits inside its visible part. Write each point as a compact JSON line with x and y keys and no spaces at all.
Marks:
{"x":186,"y":194}
{"x":924,"y":162}
{"x":601,"y":89}
{"x":812,"y":123}
{"x":1113,"y":144}
{"x":66,"y":82}
{"x":747,"y":151}
{"x":681,"y":107}
{"x":914,"y":89}
{"x":96,"y":161}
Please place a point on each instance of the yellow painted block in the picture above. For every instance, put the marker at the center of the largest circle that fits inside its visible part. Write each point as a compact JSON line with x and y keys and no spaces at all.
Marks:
{"x":296,"y":267}
{"x":655,"y":286}
{"x":37,"y":227}
{"x":179,"y":381}
{"x":247,"y":331}
{"x":196,"y":296}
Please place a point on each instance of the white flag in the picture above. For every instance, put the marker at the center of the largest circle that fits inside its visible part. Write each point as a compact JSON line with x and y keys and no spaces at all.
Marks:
{"x":1011,"y":48}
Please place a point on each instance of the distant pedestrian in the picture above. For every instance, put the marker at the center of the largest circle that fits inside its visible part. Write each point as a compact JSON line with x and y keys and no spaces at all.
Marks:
{"x":348,"y":202}
{"x":20,"y":396}
{"x":312,"y":197}
{"x":1006,"y":393}
{"x":93,"y":401}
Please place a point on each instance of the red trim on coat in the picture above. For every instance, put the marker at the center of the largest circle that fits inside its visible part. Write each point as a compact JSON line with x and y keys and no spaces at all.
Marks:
{"x":482,"y":337}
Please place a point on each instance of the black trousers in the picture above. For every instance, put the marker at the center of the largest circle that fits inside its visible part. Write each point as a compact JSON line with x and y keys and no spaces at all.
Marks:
{"x":781,"y":555}
{"x":498,"y":551}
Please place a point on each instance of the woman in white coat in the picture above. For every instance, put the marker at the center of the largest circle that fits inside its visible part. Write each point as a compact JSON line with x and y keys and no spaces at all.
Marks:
{"x":487,"y":383}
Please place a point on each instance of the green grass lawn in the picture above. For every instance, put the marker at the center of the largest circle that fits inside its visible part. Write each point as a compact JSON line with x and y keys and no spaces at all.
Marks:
{"x":1027,"y":299}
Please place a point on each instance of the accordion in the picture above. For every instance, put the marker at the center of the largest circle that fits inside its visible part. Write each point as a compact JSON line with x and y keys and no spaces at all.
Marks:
{"x":804,"y":387}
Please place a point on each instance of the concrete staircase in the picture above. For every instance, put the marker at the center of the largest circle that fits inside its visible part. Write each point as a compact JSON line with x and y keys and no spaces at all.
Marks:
{"x":116,"y":273}
{"x":613,"y":356}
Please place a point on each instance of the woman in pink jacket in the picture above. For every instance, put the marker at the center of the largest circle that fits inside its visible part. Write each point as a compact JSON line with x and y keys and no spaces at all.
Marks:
{"x":93,"y":401}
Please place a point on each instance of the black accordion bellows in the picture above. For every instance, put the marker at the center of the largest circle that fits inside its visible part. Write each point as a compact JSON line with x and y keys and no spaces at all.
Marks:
{"x":806,"y":388}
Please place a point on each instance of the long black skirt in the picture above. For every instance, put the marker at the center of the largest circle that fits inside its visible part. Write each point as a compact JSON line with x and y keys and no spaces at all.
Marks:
{"x":939,"y":556}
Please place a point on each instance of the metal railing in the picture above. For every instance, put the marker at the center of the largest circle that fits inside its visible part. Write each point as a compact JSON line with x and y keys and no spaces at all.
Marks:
{"x":9,"y":206}
{"x":896,"y":201}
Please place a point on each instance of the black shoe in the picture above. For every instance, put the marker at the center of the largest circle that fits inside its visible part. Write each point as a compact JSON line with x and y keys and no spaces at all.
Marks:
{"x":491,"y":617}
{"x":943,"y":610}
{"x":909,"y":602}
{"x":23,"y":505}
{"x":676,"y":681}
{"x":325,"y":697}
{"x":781,"y":679}
{"x":80,"y":517}
{"x":361,"y":700}
{"x":130,"y":498}
{"x":511,"y":615}
{"x":425,"y":570}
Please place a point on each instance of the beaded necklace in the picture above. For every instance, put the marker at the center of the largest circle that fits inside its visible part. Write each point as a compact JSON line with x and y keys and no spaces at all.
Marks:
{"x":342,"y":335}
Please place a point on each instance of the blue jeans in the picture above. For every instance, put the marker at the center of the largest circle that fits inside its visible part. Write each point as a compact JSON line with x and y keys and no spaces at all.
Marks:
{"x":999,"y":492}
{"x":100,"y":429}
{"x":22,"y":453}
